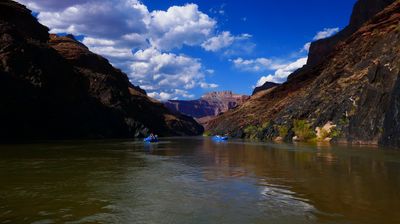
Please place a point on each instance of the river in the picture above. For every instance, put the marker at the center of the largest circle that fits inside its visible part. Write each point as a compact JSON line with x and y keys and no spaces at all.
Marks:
{"x":196,"y":180}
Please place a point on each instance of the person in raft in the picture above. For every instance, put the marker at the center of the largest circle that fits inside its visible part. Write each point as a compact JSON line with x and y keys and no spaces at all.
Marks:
{"x":153,"y":137}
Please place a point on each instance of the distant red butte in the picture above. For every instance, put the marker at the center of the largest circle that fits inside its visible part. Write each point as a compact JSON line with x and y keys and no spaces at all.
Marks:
{"x":208,"y":106}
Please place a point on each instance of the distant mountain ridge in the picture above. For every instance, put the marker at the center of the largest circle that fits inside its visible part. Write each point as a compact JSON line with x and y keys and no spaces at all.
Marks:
{"x":209,"y":105}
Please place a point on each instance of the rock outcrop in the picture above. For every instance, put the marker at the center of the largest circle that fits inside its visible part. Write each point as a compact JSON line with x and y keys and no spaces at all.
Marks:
{"x":208,"y":106}
{"x":54,"y":88}
{"x":356,"y":87}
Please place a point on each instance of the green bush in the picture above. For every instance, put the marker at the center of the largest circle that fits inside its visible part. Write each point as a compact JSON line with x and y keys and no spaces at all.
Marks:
{"x":335,"y":133}
{"x":207,"y":133}
{"x":344,"y":121}
{"x":283,"y":131}
{"x":256,"y":131}
{"x":265,"y":125}
{"x":303,"y":130}
{"x":251,"y":132}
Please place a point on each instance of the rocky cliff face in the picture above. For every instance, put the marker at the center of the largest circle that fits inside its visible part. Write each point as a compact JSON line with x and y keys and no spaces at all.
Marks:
{"x":209,"y":105}
{"x":54,"y":87}
{"x":363,"y":11}
{"x":356,"y":87}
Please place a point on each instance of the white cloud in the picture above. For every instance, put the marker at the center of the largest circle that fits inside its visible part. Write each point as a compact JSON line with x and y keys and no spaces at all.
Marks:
{"x":126,"y":22}
{"x":215,"y":43}
{"x":173,"y":95}
{"x":255,"y":65}
{"x":282,"y":73}
{"x":210,"y":71}
{"x":112,"y":52}
{"x":98,"y":19}
{"x":180,"y":25}
{"x":327,"y":32}
{"x":263,"y":80}
{"x":163,"y":96}
{"x":223,"y":40}
{"x":208,"y":85}
{"x":116,"y":28}
{"x":50,"y":5}
{"x":89,"y":41}
{"x":163,"y":71}
{"x":184,"y":93}
{"x":306,"y":47}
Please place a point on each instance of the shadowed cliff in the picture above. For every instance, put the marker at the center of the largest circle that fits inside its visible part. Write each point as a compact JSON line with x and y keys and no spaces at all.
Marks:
{"x":54,"y":88}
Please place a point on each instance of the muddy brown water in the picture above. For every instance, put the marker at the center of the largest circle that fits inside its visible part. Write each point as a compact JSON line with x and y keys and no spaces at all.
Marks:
{"x":196,"y":180}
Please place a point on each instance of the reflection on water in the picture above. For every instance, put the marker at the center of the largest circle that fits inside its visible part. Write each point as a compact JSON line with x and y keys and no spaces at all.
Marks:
{"x":196,"y":180}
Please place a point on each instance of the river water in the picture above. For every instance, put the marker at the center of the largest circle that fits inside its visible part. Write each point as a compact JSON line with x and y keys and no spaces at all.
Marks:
{"x":196,"y":180}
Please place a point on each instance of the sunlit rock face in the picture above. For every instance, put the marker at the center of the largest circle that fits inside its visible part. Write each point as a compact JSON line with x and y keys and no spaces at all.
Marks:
{"x":355,"y":86}
{"x":53,"y":87}
{"x":208,"y":106}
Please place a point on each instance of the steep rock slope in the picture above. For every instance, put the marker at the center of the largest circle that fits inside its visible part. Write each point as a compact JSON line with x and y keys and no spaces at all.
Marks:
{"x":363,"y":10}
{"x":211,"y":104}
{"x":53,"y":88}
{"x":356,"y":87}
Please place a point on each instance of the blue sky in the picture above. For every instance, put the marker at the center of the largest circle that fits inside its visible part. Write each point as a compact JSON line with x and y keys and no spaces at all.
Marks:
{"x":181,"y":49}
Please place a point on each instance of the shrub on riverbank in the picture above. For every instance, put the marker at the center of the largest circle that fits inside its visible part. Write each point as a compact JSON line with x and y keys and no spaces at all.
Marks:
{"x":303,"y":130}
{"x":252,"y":132}
{"x":256,"y":132}
{"x":283,"y":131}
{"x":207,"y":133}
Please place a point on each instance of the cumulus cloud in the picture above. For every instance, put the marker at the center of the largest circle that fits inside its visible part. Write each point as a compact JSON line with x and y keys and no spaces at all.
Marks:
{"x":283,"y":72}
{"x":327,"y":32}
{"x":126,"y":21}
{"x":163,"y":96}
{"x":151,"y":66}
{"x":208,"y":85}
{"x":180,"y":25}
{"x":98,"y":19}
{"x":135,"y":39}
{"x":223,"y":40}
{"x":50,"y":5}
{"x":263,"y":80}
{"x":172,"y":95}
{"x":158,"y":71}
{"x":218,"y":42}
{"x":255,"y":65}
